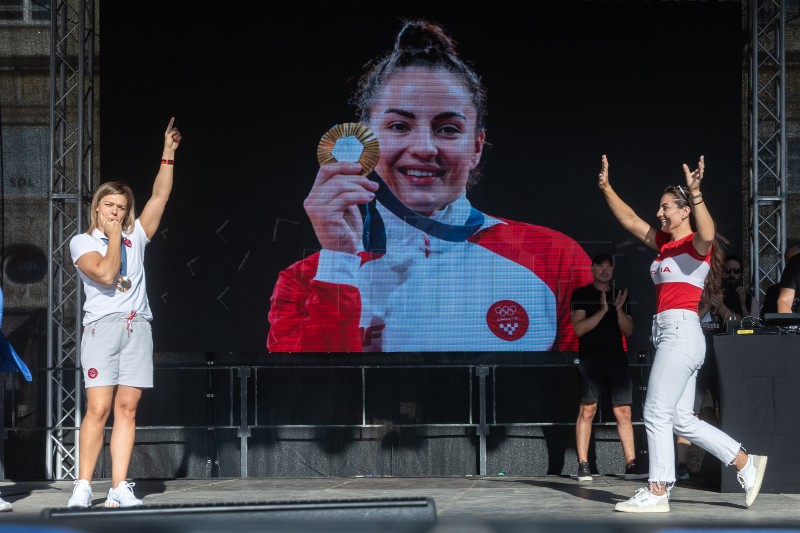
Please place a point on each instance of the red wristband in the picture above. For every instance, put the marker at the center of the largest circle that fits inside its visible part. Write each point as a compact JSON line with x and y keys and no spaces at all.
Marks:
{"x":167,"y":161}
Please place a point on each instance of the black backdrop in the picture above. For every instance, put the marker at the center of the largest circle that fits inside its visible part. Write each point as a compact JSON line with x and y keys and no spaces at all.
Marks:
{"x":253,"y":86}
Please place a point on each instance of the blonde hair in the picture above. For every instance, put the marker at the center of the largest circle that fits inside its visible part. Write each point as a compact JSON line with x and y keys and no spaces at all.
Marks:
{"x":107,"y":189}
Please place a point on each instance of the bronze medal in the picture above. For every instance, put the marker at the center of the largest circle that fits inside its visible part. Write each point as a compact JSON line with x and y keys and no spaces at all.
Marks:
{"x":350,"y":142}
{"x":123,"y":284}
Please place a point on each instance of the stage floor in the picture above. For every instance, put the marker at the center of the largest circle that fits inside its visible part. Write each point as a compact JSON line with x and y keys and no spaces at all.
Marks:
{"x":493,"y":503}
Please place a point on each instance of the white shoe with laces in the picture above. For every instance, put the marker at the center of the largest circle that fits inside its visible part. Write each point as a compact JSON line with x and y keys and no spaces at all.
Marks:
{"x":81,"y":494}
{"x":122,"y":496}
{"x":751,"y":477}
{"x":644,"y":501}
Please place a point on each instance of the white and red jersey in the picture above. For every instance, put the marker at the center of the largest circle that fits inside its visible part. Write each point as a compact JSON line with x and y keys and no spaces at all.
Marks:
{"x":102,"y":300}
{"x":505,"y":287}
{"x":679,"y":273}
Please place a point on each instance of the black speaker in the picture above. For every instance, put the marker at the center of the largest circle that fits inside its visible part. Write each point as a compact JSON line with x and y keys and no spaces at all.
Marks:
{"x":397,"y":514}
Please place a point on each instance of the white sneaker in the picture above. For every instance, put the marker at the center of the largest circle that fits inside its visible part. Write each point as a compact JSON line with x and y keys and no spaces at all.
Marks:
{"x":751,"y":477}
{"x":81,"y":494}
{"x":644,"y":501}
{"x":122,"y":496}
{"x":5,"y":506}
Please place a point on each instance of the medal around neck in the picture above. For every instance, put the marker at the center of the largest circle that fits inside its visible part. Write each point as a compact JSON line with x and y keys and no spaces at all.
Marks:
{"x":124,"y":284}
{"x":350,"y":142}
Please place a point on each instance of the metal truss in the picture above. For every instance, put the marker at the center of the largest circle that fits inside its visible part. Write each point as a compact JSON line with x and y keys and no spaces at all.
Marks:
{"x":72,"y":40}
{"x":768,"y":153}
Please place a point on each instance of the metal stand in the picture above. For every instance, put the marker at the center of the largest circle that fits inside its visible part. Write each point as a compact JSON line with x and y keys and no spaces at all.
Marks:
{"x":642,"y":358}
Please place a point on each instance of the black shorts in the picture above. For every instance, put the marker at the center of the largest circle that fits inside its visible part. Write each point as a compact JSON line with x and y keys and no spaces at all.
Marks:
{"x":598,"y":374}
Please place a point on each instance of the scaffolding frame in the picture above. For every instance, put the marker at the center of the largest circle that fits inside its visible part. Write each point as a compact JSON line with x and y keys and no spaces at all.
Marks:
{"x":72,"y":42}
{"x":767,"y":136}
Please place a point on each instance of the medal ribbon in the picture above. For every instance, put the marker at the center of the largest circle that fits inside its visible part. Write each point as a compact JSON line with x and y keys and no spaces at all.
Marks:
{"x":374,"y":237}
{"x":123,"y":266}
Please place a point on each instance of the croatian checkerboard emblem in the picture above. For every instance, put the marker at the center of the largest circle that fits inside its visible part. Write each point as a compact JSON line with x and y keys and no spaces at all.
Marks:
{"x":507,"y":319}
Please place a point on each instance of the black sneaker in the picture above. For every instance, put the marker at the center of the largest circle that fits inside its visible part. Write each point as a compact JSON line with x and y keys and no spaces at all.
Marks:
{"x":634,"y":471}
{"x":682,"y":472}
{"x":584,"y":474}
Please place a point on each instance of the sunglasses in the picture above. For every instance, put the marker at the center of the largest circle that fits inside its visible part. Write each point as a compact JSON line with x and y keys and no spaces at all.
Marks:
{"x":734,"y":270}
{"x":679,"y":190}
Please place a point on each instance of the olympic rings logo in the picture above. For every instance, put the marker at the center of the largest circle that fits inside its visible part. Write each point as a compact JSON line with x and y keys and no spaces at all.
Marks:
{"x":508,"y":320}
{"x":505,"y":310}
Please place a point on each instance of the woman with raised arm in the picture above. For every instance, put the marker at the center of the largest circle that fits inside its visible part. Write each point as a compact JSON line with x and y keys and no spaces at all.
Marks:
{"x":688,"y":259}
{"x":117,"y":345}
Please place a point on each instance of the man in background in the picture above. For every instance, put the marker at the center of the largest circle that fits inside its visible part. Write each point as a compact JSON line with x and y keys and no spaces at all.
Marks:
{"x":601,"y":321}
{"x":771,"y":296}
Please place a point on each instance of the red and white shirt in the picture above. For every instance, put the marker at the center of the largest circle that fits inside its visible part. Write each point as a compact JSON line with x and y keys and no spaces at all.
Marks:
{"x":102,"y":300}
{"x":507,"y":287}
{"x":679,"y":273}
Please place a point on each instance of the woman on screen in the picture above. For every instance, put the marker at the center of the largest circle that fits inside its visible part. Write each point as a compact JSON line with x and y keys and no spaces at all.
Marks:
{"x":687,"y":261}
{"x":422,"y":270}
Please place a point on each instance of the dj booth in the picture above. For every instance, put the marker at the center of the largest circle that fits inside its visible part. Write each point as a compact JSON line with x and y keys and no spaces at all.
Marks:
{"x":759,"y":377}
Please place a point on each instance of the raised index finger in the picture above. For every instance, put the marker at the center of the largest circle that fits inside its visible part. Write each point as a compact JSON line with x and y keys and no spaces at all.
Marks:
{"x":171,"y":122}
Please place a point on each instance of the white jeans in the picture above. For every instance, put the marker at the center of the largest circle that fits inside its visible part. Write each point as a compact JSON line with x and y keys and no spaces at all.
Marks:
{"x":680,"y":351}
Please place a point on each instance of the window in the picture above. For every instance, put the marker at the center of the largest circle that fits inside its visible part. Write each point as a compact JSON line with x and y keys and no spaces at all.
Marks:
{"x":25,"y":12}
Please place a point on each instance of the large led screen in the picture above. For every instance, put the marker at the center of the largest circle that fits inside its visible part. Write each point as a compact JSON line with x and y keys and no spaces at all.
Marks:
{"x":482,"y":210}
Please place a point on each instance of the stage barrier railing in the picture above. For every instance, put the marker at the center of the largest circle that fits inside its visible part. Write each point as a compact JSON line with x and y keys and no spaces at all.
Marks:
{"x":472,"y":391}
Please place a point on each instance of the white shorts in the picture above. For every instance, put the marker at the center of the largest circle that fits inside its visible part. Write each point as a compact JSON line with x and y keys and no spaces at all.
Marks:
{"x":117,"y":350}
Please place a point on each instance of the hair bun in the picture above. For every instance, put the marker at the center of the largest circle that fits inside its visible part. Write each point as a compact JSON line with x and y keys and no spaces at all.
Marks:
{"x":422,"y":35}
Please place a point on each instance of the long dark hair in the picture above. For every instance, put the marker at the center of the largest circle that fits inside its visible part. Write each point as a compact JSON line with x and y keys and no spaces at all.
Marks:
{"x":713,"y":284}
{"x":421,"y":44}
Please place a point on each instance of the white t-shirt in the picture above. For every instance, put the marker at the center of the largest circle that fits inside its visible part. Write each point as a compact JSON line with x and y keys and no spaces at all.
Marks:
{"x":102,"y":300}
